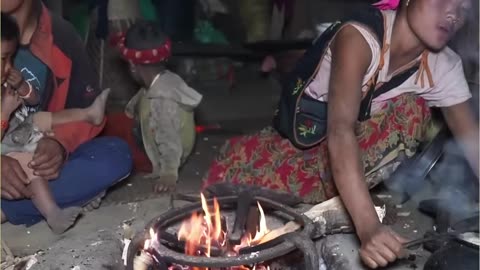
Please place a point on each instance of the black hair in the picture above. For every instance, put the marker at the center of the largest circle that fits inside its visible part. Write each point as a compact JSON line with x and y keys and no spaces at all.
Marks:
{"x":9,"y":28}
{"x":144,"y":35}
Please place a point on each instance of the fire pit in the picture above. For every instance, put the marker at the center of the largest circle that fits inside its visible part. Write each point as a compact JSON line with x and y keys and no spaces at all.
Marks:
{"x":204,"y":241}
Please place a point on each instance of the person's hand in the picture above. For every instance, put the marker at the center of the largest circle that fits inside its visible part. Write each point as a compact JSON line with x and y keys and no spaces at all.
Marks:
{"x":14,"y":180}
{"x":380,"y":247}
{"x":48,"y":158}
{"x":10,"y":102}
{"x":15,"y":78}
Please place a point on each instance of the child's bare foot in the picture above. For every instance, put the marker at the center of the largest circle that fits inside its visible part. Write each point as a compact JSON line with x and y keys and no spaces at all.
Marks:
{"x":62,"y":220}
{"x":96,"y":111}
{"x":160,"y":188}
{"x":164,"y":184}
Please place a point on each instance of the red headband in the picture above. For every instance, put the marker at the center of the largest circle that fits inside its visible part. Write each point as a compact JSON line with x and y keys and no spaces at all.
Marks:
{"x":150,"y":56}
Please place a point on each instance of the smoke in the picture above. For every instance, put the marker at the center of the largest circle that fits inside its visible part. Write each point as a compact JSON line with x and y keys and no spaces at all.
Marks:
{"x":455,"y":183}
{"x":450,"y":180}
{"x":453,"y":180}
{"x":466,"y":44}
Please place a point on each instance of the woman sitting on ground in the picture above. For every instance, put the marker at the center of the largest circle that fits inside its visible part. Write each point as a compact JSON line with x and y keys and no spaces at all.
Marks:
{"x":402,"y":55}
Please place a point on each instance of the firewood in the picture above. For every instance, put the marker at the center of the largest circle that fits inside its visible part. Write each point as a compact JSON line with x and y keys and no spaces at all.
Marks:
{"x":315,"y":214}
{"x":330,"y":216}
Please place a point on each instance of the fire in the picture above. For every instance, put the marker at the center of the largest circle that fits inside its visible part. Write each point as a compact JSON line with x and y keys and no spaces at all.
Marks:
{"x":204,"y":232}
{"x":263,"y":229}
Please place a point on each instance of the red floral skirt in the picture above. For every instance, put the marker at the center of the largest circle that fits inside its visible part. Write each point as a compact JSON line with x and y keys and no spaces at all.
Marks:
{"x":266,"y":159}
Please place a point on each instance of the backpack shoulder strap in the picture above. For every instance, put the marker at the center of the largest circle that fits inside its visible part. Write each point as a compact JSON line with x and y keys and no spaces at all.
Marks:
{"x":366,"y":104}
{"x":308,"y":65}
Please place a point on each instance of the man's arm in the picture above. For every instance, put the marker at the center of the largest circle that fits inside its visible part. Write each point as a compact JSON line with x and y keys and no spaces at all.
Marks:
{"x":461,"y":121}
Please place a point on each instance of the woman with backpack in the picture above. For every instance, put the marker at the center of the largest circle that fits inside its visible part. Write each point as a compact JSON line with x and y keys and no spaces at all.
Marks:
{"x":375,"y":74}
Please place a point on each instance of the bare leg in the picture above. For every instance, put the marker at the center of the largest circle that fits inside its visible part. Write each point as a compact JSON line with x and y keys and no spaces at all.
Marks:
{"x":93,"y":114}
{"x":58,"y":219}
{"x":96,"y":111}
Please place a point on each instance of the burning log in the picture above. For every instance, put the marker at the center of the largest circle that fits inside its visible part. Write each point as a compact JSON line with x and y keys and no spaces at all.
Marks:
{"x":253,"y":220}
{"x":172,"y":242}
{"x":245,"y":199}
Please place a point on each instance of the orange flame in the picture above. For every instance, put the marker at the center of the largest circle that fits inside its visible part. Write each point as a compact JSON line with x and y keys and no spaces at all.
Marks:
{"x":262,"y":227}
{"x":191,"y":232}
{"x":218,"y":219}
{"x":203,"y":231}
{"x":261,"y":231}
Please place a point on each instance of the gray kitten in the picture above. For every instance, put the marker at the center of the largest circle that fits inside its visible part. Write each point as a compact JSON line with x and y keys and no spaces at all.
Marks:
{"x":22,"y":136}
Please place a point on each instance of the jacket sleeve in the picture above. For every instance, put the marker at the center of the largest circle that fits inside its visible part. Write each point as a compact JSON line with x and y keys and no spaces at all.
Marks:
{"x":166,"y":122}
{"x":82,"y":88}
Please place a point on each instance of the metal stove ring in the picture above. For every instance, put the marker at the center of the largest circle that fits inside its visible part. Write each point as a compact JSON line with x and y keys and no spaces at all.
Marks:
{"x":163,"y":253}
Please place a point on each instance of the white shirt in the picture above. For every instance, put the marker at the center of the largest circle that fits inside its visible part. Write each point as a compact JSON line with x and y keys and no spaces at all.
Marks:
{"x":449,"y":84}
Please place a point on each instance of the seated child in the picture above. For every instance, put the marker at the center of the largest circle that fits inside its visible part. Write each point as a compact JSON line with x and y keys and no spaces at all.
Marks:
{"x":22,"y":130}
{"x":163,"y":109}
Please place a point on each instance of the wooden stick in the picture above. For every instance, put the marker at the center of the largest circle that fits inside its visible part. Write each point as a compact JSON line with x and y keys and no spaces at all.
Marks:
{"x":315,"y":213}
{"x":430,"y":238}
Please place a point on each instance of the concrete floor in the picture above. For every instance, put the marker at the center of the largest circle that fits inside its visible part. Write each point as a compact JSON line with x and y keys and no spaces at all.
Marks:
{"x":95,"y":241}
